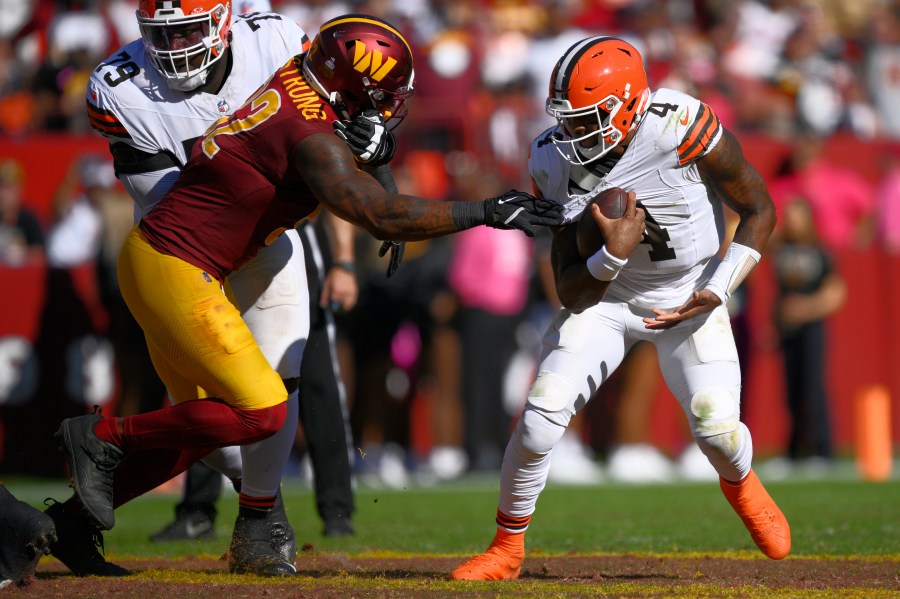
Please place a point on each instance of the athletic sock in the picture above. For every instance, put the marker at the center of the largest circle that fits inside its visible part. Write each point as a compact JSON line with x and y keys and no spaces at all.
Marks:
{"x":255,"y":507}
{"x":512,"y":525}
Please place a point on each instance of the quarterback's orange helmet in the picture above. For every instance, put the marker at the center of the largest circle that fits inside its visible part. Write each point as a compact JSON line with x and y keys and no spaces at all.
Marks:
{"x":359,"y":62}
{"x":184,"y":37}
{"x":598,"y":94}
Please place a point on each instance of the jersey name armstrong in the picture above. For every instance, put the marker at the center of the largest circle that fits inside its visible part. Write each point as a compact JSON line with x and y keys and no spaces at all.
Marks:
{"x":303,"y":97}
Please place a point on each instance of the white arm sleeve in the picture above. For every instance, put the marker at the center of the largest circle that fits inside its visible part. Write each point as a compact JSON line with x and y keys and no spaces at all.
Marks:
{"x":147,"y":189}
{"x":739,"y":260}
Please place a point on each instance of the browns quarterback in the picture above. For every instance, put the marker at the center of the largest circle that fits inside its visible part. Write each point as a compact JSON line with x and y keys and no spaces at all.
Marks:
{"x":656,"y":279}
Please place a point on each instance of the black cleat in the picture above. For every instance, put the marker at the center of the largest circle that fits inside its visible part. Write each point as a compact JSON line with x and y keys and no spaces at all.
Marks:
{"x":25,"y":535}
{"x":91,"y":462}
{"x":263,"y":543}
{"x":191,"y":523}
{"x":79,"y":539}
{"x":339,"y":526}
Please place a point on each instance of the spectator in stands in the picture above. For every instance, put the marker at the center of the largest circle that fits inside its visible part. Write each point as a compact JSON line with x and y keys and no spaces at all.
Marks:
{"x":809,"y":291}
{"x":842,"y":201}
{"x":21,"y":236}
{"x":815,"y":72}
{"x":76,"y":234}
{"x":882,"y":63}
{"x":77,"y":40}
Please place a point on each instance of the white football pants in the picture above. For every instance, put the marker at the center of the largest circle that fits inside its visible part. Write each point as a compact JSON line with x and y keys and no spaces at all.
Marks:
{"x":699,"y":363}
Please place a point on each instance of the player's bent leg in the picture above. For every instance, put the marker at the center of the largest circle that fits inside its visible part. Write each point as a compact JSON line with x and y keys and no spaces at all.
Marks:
{"x":731,"y":454}
{"x":526,"y":464}
{"x":25,"y":535}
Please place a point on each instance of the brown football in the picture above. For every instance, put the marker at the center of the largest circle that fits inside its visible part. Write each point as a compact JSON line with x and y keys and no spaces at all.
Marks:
{"x":587,"y":233}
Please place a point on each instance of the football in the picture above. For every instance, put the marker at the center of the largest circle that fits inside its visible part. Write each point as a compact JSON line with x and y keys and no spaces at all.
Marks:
{"x":587,"y":233}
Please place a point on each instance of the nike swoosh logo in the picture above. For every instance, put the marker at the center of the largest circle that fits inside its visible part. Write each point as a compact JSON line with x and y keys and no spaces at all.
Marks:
{"x":514,"y":215}
{"x":684,"y":118}
{"x":195,"y":530}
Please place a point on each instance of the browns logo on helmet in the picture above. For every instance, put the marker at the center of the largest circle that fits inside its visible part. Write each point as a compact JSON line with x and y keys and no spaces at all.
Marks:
{"x":184,"y":38}
{"x":359,"y":62}
{"x":598,"y":94}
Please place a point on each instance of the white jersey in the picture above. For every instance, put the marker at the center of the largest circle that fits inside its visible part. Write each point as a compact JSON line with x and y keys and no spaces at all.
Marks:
{"x":685,"y":225}
{"x":130,"y":102}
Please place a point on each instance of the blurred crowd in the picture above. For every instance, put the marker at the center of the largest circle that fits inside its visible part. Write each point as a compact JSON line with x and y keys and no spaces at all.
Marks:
{"x":775,"y":66}
{"x":458,"y":328}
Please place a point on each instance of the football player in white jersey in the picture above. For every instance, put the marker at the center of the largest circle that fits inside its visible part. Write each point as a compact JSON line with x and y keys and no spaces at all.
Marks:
{"x":656,"y":278}
{"x":195,"y":63}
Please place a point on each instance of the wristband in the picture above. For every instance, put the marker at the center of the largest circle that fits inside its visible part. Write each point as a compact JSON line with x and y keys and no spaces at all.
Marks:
{"x":739,"y":260}
{"x":468,"y":214}
{"x":347,"y":265}
{"x":603,"y":266}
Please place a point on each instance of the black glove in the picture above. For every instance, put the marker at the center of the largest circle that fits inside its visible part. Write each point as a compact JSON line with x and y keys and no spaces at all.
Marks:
{"x":512,"y":210}
{"x":396,"y":248}
{"x":367,"y":137}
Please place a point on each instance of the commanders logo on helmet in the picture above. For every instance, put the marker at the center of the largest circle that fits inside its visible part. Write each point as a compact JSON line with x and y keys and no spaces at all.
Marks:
{"x":359,"y":62}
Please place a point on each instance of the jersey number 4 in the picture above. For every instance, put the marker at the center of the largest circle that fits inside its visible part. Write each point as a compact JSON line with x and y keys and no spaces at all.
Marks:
{"x":657,"y":238}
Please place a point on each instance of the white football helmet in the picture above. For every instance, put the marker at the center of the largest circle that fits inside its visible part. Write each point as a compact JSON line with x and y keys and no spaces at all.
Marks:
{"x":184,"y":38}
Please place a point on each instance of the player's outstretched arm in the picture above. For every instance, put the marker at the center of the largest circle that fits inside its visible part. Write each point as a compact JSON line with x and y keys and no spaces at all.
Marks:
{"x":329,"y":169}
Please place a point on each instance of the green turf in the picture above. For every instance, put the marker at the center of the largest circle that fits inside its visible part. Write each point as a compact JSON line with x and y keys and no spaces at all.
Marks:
{"x":828,"y":517}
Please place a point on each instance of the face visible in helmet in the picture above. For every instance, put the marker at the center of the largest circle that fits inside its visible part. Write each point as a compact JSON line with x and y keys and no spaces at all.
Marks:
{"x":184,"y":39}
{"x":598,"y":94}
{"x":359,"y":62}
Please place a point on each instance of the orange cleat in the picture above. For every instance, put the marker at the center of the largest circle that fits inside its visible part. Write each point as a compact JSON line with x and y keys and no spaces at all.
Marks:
{"x":502,"y":560}
{"x":766,"y":523}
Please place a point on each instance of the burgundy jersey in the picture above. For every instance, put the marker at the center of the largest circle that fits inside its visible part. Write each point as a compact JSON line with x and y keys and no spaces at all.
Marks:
{"x":240,"y":189}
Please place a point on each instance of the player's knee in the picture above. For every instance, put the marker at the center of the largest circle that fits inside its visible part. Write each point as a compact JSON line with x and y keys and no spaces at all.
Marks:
{"x":730,"y":453}
{"x":552,"y":394}
{"x":539,"y":432}
{"x":726,"y":445}
{"x":265,"y":422}
{"x":715,"y":411}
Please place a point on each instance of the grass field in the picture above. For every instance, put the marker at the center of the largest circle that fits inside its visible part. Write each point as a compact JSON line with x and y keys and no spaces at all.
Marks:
{"x":839,"y":521}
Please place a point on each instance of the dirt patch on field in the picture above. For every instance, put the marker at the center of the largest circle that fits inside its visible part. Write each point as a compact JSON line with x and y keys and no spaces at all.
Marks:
{"x":340,"y":575}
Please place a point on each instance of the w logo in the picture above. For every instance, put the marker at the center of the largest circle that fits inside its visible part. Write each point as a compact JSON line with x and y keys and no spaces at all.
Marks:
{"x":371,"y":61}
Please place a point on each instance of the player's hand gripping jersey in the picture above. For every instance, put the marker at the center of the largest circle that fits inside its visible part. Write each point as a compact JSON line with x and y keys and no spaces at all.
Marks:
{"x":151,"y":127}
{"x":685,"y":226}
{"x":240,"y":190}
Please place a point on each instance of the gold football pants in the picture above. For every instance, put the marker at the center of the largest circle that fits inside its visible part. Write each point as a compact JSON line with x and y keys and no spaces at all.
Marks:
{"x":195,"y":335}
